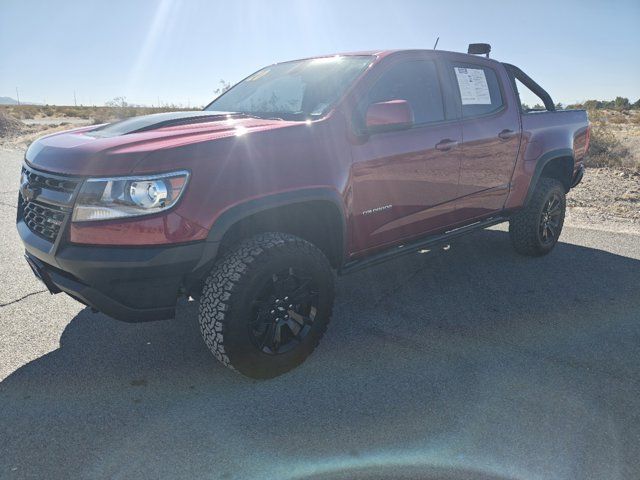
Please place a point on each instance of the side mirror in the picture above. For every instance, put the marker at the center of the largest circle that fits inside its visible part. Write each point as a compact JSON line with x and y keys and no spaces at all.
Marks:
{"x":387,"y":116}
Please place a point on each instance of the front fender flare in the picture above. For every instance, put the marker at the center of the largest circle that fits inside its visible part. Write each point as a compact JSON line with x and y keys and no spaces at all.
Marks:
{"x":232,"y":215}
{"x":238,"y":212}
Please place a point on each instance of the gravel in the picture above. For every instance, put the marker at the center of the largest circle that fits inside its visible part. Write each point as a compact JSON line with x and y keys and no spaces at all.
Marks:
{"x":607,"y":195}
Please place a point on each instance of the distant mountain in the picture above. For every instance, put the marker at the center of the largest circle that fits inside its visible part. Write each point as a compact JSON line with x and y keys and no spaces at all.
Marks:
{"x":8,"y":101}
{"x":13,"y":101}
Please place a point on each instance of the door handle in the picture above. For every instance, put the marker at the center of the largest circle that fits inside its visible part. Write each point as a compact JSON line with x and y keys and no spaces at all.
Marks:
{"x":506,"y":134}
{"x":446,"y":145}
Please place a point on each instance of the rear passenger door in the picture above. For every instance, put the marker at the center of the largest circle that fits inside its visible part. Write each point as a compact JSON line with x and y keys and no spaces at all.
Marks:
{"x":404,"y":183}
{"x":490,"y":137}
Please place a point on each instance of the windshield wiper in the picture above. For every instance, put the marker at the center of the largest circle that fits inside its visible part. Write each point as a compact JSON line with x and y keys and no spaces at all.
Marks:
{"x":251,"y":115}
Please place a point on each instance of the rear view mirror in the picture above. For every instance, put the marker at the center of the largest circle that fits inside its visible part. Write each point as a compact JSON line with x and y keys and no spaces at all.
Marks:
{"x":391,"y":115}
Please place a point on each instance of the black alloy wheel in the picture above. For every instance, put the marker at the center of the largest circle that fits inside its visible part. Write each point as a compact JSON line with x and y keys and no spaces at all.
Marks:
{"x":550,"y":219}
{"x":284,"y":312}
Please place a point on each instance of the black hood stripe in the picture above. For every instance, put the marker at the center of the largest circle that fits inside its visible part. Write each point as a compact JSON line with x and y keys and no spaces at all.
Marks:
{"x":155,"y":121}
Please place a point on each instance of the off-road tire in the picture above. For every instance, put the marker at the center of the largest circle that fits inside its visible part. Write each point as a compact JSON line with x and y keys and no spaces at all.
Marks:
{"x":230,"y":288}
{"x":525,"y":225}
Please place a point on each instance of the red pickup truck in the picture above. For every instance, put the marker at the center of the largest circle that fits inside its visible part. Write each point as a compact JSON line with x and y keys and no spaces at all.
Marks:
{"x":303,"y":169}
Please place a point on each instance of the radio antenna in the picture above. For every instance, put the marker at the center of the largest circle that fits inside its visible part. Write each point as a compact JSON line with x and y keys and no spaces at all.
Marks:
{"x":436,"y":44}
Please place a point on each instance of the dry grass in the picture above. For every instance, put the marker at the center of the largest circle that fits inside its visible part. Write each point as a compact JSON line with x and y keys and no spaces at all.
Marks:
{"x":114,"y":111}
{"x":9,"y":125}
{"x":22,"y":124}
{"x":14,"y":133}
{"x":615,"y":139}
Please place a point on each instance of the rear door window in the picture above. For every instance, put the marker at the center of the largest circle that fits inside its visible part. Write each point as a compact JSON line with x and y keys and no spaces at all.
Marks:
{"x":479,"y":90}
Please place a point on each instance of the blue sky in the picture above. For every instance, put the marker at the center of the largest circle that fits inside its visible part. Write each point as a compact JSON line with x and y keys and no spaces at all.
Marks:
{"x":176,"y":51}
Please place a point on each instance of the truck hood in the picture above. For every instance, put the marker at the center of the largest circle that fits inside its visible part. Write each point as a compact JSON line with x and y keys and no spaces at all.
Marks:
{"x":115,"y":149}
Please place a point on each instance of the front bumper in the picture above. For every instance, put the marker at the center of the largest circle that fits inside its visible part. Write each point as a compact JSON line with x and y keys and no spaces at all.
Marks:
{"x":133,"y":284}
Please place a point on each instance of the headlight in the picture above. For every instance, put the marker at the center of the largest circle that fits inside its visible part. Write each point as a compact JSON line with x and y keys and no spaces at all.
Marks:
{"x":108,"y":198}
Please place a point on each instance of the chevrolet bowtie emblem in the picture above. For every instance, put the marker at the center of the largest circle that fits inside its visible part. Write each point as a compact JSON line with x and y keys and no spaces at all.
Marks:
{"x":28,"y":192}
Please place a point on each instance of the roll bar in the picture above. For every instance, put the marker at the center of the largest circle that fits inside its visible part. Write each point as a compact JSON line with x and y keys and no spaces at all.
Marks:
{"x":527,"y":81}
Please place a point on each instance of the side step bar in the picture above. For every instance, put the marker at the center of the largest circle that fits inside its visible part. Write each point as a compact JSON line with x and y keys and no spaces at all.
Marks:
{"x":409,"y":248}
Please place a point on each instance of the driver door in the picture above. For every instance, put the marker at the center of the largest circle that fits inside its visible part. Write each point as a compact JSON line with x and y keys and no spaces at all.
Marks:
{"x":405,"y":183}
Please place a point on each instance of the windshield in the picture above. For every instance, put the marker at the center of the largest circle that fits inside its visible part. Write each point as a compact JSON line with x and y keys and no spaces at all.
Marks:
{"x":300,"y":90}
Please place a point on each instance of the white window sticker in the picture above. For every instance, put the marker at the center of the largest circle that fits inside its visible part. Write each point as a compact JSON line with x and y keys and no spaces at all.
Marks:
{"x":472,"y":83}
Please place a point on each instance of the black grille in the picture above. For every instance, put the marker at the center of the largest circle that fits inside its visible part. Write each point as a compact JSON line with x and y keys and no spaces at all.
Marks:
{"x":47,"y":203}
{"x":38,"y":180}
{"x":44,"y":221}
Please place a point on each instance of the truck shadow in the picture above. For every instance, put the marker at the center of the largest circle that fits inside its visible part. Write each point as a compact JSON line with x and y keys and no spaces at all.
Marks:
{"x":445,"y":358}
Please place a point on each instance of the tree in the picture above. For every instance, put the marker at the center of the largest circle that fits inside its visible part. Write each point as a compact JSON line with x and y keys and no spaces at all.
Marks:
{"x":621,"y":103}
{"x":224,"y":86}
{"x":118,"y":102}
{"x":120,"y":108}
{"x":591,"y":104}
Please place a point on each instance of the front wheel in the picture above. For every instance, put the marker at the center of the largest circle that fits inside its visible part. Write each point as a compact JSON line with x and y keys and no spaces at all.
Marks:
{"x":535,"y":229}
{"x":266,"y":304}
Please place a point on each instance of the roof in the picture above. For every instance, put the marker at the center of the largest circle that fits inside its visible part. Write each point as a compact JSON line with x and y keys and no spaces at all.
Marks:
{"x":386,"y":53}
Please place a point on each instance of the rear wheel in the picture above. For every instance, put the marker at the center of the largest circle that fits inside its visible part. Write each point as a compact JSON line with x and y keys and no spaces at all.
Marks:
{"x":535,"y":229}
{"x":266,"y":304}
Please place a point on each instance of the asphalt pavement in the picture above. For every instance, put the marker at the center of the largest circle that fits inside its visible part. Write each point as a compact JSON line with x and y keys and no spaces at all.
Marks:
{"x":466,"y":363}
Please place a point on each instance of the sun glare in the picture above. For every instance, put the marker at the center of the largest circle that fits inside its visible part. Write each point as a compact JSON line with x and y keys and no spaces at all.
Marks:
{"x":324,"y":60}
{"x":159,"y":26}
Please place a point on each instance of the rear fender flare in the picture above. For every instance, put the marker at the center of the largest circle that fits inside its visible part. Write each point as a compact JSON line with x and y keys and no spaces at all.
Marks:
{"x":542,"y":162}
